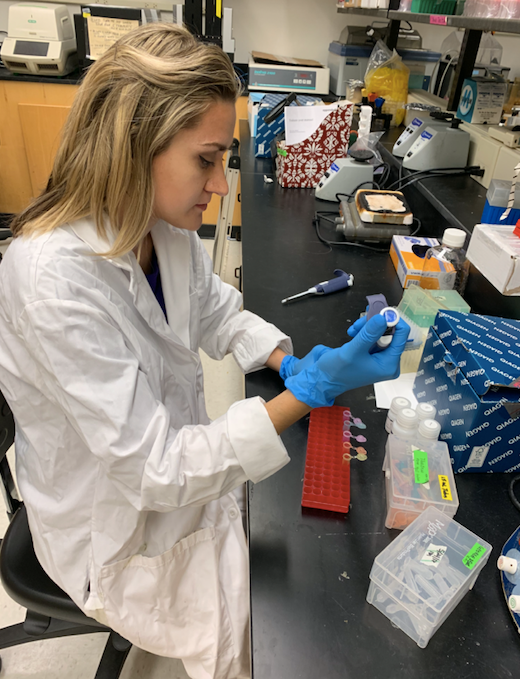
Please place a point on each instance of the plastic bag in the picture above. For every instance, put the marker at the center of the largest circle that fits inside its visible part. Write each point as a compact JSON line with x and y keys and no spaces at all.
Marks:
{"x":369,"y":143}
{"x":387,"y":77}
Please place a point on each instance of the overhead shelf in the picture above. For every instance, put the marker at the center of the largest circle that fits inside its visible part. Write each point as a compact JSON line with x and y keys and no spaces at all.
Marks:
{"x":473,"y":23}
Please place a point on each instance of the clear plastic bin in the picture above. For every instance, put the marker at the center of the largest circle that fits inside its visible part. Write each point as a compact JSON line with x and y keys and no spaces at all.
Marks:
{"x":407,"y":494}
{"x":423,"y":574}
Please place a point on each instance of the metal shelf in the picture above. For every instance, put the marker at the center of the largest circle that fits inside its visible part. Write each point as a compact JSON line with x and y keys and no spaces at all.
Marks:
{"x":365,"y":11}
{"x":473,"y":23}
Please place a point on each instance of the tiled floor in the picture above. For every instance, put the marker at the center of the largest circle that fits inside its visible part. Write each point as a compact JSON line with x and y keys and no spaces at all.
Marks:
{"x":78,"y":657}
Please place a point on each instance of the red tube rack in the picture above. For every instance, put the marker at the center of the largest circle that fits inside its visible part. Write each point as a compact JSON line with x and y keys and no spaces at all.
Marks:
{"x":326,"y":482}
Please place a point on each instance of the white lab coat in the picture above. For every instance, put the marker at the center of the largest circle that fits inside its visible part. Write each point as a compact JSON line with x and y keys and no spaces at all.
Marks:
{"x":127,"y":483}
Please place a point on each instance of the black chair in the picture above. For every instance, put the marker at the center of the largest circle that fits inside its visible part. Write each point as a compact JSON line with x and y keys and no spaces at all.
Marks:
{"x":50,"y":612}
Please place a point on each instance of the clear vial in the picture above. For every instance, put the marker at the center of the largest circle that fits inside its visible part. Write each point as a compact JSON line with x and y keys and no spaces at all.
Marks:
{"x":426,"y":411}
{"x":398,"y":403}
{"x":445,"y":266}
{"x":405,"y":424}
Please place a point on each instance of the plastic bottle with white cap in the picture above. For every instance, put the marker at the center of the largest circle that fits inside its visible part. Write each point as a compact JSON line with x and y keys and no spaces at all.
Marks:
{"x":405,"y":424}
{"x":445,"y":266}
{"x":398,"y":403}
{"x":428,"y":431}
{"x":426,"y":411}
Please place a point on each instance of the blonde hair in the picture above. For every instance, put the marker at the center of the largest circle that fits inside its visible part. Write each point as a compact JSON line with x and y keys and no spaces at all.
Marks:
{"x":152,"y":83}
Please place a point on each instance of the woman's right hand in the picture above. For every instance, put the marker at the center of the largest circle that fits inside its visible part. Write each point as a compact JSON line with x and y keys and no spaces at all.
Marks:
{"x":352,"y":365}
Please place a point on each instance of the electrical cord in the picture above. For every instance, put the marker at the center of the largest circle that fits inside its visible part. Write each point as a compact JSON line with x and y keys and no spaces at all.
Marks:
{"x":438,"y":172}
{"x":408,"y":181}
{"x":320,"y":215}
{"x":351,"y":195}
{"x":511,"y":491}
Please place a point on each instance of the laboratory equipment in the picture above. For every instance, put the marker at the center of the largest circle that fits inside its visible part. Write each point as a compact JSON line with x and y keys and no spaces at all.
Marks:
{"x":326,"y":481}
{"x":405,"y":424}
{"x":417,"y":476}
{"x":509,"y":566}
{"x":420,"y":577}
{"x":345,"y":175}
{"x":374,"y":216}
{"x":439,"y":147}
{"x":397,"y":404}
{"x":377,"y":304}
{"x":417,"y":127}
{"x":40,"y":40}
{"x":497,"y":198}
{"x":445,"y":265}
{"x":273,"y":73}
{"x":425,"y":411}
{"x":428,"y":430}
{"x":343,"y":280}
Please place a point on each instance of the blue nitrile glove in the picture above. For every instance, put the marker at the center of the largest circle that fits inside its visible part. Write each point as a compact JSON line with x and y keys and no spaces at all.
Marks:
{"x":351,"y":365}
{"x":291,"y":365}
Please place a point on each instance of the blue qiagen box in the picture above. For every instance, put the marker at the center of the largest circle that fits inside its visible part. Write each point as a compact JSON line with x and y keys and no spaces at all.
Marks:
{"x":470,"y":371}
{"x":266,"y":133}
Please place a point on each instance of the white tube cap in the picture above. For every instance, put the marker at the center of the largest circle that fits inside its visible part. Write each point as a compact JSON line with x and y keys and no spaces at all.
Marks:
{"x":398,"y":403}
{"x":514,"y":603}
{"x":509,"y":566}
{"x":426,"y":410}
{"x":407,"y":418}
{"x":429,"y":429}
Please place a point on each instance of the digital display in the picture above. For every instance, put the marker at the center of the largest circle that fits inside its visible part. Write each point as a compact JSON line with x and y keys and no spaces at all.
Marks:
{"x":272,"y":77}
{"x":31,"y":49}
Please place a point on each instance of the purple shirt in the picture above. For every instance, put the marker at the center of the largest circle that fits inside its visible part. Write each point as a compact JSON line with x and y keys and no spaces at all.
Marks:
{"x":154,"y":280}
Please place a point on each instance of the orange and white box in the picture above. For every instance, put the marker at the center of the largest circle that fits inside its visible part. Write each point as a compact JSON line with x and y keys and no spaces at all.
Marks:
{"x":407,"y":253}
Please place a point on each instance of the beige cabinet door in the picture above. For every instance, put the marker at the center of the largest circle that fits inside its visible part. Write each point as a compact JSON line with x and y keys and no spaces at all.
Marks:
{"x":41,"y":128}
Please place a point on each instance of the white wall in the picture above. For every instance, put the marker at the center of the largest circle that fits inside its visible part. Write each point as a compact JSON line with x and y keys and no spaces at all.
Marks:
{"x":304,"y":28}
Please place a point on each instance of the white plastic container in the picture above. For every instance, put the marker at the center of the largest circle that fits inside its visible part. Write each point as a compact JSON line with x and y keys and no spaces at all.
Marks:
{"x":405,"y":424}
{"x":428,"y":430}
{"x":398,"y":403}
{"x":422,"y":575}
{"x":417,"y":476}
{"x":425,"y":411}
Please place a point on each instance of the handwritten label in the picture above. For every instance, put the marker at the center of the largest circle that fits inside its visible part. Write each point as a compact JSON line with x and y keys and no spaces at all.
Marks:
{"x":420,"y":466}
{"x":433,"y":555}
{"x":445,"y":488}
{"x":474,"y":555}
{"x":439,"y":19}
{"x":104,"y":31}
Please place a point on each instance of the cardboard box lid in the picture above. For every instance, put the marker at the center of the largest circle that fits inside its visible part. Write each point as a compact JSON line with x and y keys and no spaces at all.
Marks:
{"x":486,"y":349}
{"x":266,"y":58}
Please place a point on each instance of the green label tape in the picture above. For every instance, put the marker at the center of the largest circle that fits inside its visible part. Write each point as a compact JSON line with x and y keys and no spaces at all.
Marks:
{"x":474,"y":555}
{"x":281,"y":152}
{"x":420,"y":466}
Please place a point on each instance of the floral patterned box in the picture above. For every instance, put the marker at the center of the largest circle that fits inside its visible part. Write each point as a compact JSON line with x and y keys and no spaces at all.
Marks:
{"x":302,"y":165}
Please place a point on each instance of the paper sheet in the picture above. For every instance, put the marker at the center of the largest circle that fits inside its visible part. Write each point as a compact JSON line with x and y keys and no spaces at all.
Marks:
{"x":402,"y":386}
{"x":302,"y":121}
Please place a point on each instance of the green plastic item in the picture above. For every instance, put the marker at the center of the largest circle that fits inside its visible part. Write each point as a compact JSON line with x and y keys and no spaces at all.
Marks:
{"x":434,"y":7}
{"x":421,"y":305}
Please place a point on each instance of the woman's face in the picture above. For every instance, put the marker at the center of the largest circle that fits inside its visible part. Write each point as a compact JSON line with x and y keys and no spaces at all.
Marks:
{"x":190,"y":171}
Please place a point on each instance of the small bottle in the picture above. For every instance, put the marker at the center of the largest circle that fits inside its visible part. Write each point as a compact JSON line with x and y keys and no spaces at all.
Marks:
{"x":398,"y":403}
{"x":405,"y":424}
{"x":428,"y":431}
{"x":425,"y":411}
{"x":445,"y":266}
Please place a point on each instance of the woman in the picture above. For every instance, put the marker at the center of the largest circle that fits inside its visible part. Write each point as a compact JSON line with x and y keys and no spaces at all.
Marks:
{"x":107,"y":296}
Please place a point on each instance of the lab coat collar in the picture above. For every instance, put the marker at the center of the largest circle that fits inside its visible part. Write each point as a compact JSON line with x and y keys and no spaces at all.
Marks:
{"x":173,"y":253}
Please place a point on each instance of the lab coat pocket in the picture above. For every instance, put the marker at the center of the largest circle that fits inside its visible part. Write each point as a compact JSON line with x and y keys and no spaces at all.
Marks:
{"x":169,"y":604}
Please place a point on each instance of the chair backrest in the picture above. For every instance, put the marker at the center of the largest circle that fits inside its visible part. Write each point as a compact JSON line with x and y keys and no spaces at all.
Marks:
{"x":7,"y":486}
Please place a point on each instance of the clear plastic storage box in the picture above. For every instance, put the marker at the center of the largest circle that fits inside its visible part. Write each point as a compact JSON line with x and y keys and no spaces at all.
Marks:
{"x":416,"y":477}
{"x":423,"y":574}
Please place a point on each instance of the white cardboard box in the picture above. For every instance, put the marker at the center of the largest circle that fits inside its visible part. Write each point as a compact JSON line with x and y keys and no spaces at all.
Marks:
{"x":495,"y":251}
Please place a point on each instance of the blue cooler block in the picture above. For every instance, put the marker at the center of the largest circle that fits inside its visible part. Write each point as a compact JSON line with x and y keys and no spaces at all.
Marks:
{"x":496,"y":204}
